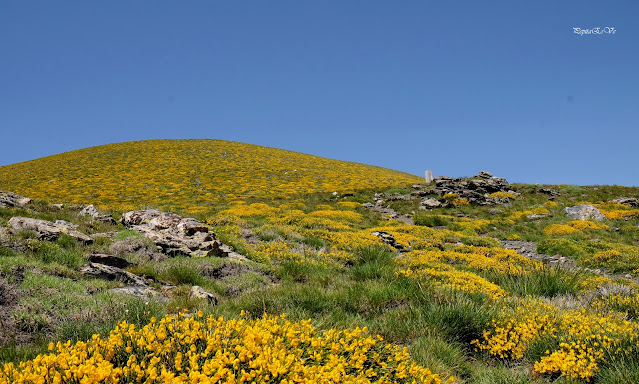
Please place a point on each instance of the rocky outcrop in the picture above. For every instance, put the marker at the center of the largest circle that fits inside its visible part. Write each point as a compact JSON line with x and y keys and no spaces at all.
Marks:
{"x":90,"y":210}
{"x":175,"y":235}
{"x":107,"y":272}
{"x":46,"y":230}
{"x":584,"y":212}
{"x":626,"y":201}
{"x":10,"y":199}
{"x":475,"y":190}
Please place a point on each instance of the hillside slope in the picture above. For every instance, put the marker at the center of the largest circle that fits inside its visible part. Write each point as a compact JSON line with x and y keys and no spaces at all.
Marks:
{"x":185,"y":174}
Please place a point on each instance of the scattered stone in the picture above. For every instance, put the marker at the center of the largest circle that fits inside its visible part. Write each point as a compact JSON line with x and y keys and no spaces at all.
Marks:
{"x":107,"y":272}
{"x":430,"y":203}
{"x":537,"y":216}
{"x":484,"y":175}
{"x":90,"y":210}
{"x":57,"y":207}
{"x":198,"y":293}
{"x":495,"y":211}
{"x":10,"y":199}
{"x":428,"y":176}
{"x":627,"y":201}
{"x":141,"y":292}
{"x":550,"y":191}
{"x":368,"y":205}
{"x":390,"y":240}
{"x":173,"y":234}
{"x":45,"y":230}
{"x":584,"y":212}
{"x":110,"y":260}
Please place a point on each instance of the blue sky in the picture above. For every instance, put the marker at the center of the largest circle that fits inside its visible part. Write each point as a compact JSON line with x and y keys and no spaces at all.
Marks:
{"x":456,"y":87}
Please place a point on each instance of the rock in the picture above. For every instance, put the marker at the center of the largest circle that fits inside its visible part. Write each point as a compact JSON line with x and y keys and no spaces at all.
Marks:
{"x":173,"y":234}
{"x":495,"y":211}
{"x":107,"y":272}
{"x":428,"y":176}
{"x":368,"y":205}
{"x":110,"y":260}
{"x":10,"y":199}
{"x":484,"y":175}
{"x":536,"y":216}
{"x":549,"y":191}
{"x":45,"y":230}
{"x":627,"y":201}
{"x":58,"y":207}
{"x":90,"y":210}
{"x":66,"y":224}
{"x":198,"y":293}
{"x":584,"y":212}
{"x":430,"y":203}
{"x":389,"y":239}
{"x":141,"y":292}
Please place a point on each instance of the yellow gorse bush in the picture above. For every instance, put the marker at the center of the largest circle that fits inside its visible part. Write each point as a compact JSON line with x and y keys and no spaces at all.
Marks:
{"x":194,"y":350}
{"x":583,"y":338}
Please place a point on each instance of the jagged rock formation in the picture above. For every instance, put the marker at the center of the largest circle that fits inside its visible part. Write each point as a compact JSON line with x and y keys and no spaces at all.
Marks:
{"x":627,"y":201}
{"x":175,"y":235}
{"x":46,"y":230}
{"x":475,"y":190}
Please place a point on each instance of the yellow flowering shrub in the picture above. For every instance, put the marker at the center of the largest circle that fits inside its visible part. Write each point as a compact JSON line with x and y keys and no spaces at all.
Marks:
{"x":517,"y":215}
{"x":582,"y":337}
{"x":196,"y":350}
{"x":349,"y":204}
{"x":559,"y":229}
{"x":587,"y":224}
{"x":550,"y":204}
{"x":619,"y":214}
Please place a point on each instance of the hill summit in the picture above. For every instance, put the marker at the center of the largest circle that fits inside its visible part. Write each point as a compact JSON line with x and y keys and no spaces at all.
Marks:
{"x":187,"y":174}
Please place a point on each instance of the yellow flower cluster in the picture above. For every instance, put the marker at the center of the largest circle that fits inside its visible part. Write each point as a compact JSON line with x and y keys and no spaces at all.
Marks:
{"x":587,"y":224}
{"x":619,"y":214}
{"x":447,"y":276}
{"x":559,"y":229}
{"x":582,"y":338}
{"x":194,"y":350}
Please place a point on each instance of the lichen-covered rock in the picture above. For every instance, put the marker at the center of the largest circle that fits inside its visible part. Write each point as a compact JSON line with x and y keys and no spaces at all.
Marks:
{"x":197,"y":292}
{"x":584,"y":212}
{"x":46,"y":230}
{"x":173,"y":234}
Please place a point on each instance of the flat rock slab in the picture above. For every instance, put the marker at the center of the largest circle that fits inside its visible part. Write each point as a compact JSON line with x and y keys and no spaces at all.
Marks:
{"x":46,"y":230}
{"x":174,"y":234}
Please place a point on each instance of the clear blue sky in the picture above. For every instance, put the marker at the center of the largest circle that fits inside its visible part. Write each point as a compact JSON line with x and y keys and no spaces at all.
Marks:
{"x":452,"y":86}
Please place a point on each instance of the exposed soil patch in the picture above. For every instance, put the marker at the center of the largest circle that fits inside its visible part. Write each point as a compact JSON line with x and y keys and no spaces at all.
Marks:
{"x":9,"y":330}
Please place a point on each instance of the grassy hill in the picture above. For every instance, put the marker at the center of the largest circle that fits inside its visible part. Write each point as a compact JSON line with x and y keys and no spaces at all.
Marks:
{"x":187,"y":175}
{"x":323,"y":295}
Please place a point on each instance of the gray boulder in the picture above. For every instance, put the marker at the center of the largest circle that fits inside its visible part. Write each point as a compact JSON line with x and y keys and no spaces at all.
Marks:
{"x":173,"y":234}
{"x":10,"y":199}
{"x":627,"y":201}
{"x":430,"y":203}
{"x":46,"y":230}
{"x":584,"y":212}
{"x":197,"y":292}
